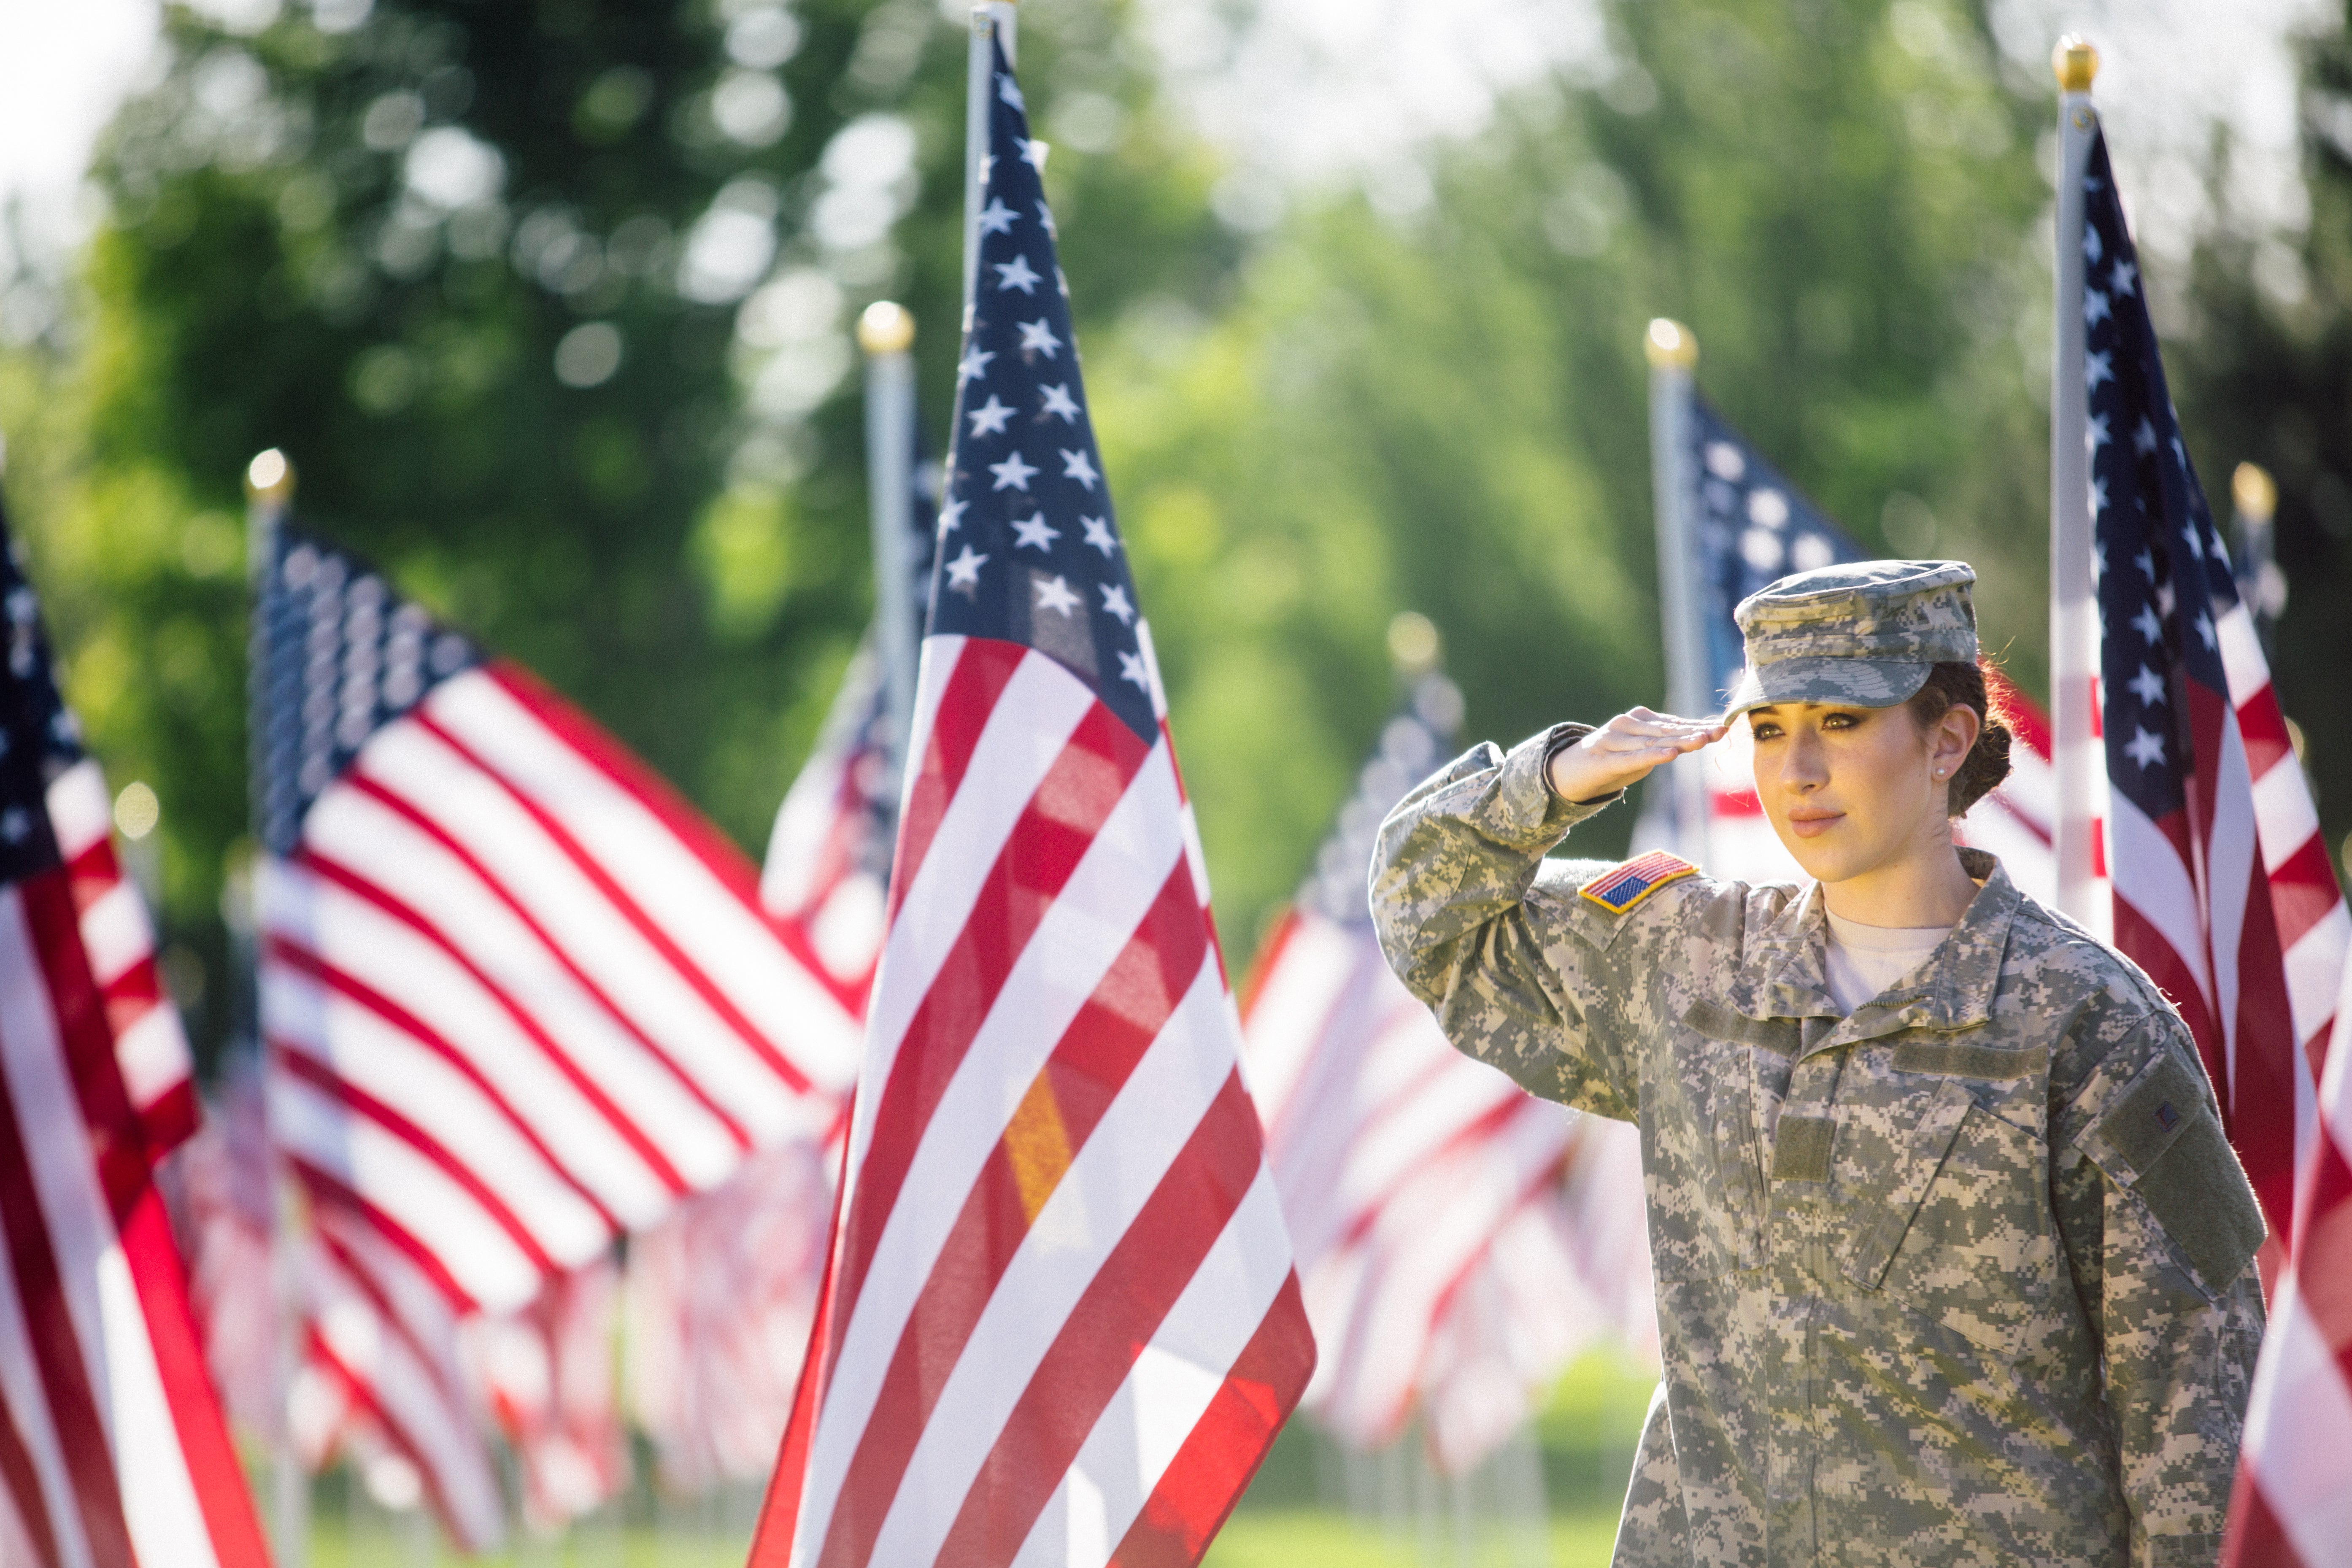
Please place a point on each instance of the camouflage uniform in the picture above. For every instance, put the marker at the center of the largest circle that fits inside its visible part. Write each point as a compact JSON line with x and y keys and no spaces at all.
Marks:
{"x":1963,"y":1278}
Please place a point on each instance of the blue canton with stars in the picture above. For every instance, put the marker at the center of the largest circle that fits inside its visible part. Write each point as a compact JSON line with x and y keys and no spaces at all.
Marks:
{"x":1753,"y":528}
{"x":2164,"y":578}
{"x":38,"y":736}
{"x":337,"y":655}
{"x":1028,"y":549}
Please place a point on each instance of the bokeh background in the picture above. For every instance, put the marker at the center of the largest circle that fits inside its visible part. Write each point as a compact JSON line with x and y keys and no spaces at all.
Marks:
{"x":551,"y":302}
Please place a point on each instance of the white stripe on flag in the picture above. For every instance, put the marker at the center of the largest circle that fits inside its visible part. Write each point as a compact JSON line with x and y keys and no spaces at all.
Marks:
{"x":1114,"y":884}
{"x":2161,"y":891}
{"x":717,"y":932}
{"x":2296,"y":1425}
{"x":413,"y":1192}
{"x":1141,"y":1134}
{"x":1144,"y":1426}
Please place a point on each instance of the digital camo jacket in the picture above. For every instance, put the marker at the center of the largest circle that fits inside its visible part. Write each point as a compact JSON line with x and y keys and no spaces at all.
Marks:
{"x":1964,"y":1278}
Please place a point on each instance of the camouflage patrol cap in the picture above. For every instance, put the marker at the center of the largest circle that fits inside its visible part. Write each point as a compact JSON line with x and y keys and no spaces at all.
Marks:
{"x":1864,"y":633}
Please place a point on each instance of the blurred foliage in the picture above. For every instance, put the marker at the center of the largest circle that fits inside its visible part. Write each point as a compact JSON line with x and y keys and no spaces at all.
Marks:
{"x":550,"y":303}
{"x":1434,"y":397}
{"x":2264,"y":375}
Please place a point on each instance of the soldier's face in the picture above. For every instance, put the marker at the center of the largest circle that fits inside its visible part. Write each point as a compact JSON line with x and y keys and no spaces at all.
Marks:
{"x":1848,"y":790}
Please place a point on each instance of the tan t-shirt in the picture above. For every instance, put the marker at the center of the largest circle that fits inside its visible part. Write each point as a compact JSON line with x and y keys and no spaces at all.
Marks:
{"x":1865,"y":960}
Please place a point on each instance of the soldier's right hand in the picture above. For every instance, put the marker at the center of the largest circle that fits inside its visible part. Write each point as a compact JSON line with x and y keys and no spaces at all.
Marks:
{"x":1624,"y":750}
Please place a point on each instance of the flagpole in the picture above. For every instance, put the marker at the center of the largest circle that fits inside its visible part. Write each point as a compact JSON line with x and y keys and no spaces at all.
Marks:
{"x":991,"y":20}
{"x":269,"y":492}
{"x":1673,"y":352}
{"x":886,"y":333}
{"x":2076,"y":757}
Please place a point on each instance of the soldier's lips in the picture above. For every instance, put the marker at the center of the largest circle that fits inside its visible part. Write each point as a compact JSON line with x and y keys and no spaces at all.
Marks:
{"x":1813,"y":824}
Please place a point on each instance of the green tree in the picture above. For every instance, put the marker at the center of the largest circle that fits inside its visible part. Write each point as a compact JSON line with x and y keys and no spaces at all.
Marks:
{"x":549,"y":302}
{"x":1443,"y":407}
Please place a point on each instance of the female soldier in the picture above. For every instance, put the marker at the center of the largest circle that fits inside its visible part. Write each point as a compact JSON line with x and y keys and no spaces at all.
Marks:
{"x":1952,"y":1257}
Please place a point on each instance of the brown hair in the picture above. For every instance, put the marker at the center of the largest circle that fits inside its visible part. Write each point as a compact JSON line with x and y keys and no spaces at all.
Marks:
{"x":1954,"y":685}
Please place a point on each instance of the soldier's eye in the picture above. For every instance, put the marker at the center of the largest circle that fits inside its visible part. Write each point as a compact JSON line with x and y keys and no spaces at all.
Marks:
{"x":1764,"y":732}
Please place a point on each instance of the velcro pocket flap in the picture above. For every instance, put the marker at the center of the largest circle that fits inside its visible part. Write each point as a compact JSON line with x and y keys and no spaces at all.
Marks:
{"x":1906,"y":1186}
{"x":2162,"y":1140}
{"x":1957,"y":1060}
{"x":1718,"y":1021}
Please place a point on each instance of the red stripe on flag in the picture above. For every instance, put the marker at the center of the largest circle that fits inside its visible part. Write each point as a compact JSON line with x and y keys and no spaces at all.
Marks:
{"x":1092,"y":1061}
{"x":1226,"y":1446}
{"x":2303,"y":890}
{"x":324,"y":1184}
{"x":772,"y":1537}
{"x":283,"y":950}
{"x":23,"y":1484}
{"x":623,"y":1124}
{"x":983,"y":668}
{"x":1076,"y":795}
{"x":2264,"y":726}
{"x":2140,"y":940}
{"x":1106,"y":1329}
{"x":356,"y":878}
{"x":368,"y":1108}
{"x":720,"y":856}
{"x":648,"y":927}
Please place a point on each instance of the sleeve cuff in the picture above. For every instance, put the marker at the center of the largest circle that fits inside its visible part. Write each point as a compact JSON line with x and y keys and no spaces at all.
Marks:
{"x":1523,"y":809}
{"x":1558,"y":739}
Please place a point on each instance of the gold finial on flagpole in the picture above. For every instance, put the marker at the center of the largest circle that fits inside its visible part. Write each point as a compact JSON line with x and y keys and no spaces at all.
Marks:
{"x":2076,"y":62}
{"x":1413,"y":643}
{"x":1669,"y":343}
{"x":885,"y":327}
{"x":269,"y":478}
{"x":2254,"y":492}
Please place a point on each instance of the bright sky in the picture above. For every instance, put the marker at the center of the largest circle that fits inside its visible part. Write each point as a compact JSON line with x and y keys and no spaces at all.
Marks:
{"x":1317,"y":90}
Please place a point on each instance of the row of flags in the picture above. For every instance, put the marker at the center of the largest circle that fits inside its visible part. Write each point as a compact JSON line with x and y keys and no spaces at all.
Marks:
{"x":958,"y":1188}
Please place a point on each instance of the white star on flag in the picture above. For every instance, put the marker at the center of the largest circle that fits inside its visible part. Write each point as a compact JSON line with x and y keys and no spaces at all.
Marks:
{"x":1079,"y":467}
{"x":1053,"y":594}
{"x":950,"y":515}
{"x":973,"y":364}
{"x":1016,"y":274}
{"x":2144,"y":436}
{"x":1099,"y":534}
{"x":2092,"y":247}
{"x":2147,"y":749}
{"x":1033,"y":154}
{"x":2096,"y":307}
{"x":989,"y":417}
{"x":2148,"y":686}
{"x":1012,"y":473}
{"x":1130,"y":667}
{"x":2149,"y":626}
{"x":963,"y":572}
{"x":1034,"y":531}
{"x":1045,"y":217}
{"x":1010,"y":92}
{"x":997,"y":218}
{"x":2095,"y":433}
{"x":1038,"y":335}
{"x":1115,"y":603}
{"x":2205,"y":630}
{"x":1058,"y":401}
{"x":2122,"y":280}
{"x":2097,"y":367}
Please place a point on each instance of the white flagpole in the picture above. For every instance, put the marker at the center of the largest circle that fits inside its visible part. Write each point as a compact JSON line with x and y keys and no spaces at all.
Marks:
{"x":2075,"y":756}
{"x":1673,"y":352}
{"x":886,"y":333}
{"x":269,"y":491}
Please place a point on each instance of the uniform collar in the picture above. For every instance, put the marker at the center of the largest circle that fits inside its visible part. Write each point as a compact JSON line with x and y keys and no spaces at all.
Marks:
{"x":1783,"y":977}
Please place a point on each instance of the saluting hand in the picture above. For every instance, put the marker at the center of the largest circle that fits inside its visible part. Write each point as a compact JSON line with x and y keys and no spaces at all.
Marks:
{"x":1624,"y":750}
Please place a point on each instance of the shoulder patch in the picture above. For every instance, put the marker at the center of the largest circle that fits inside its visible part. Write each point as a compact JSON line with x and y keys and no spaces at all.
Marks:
{"x":1621,"y":887}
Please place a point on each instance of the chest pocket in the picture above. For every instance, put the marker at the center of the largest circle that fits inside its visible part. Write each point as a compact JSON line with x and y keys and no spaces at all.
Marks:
{"x":1941,"y":1152}
{"x":1705,"y":1153}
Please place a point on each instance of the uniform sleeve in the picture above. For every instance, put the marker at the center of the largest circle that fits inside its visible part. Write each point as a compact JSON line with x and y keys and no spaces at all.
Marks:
{"x":2160,"y":1228}
{"x":1459,"y":862}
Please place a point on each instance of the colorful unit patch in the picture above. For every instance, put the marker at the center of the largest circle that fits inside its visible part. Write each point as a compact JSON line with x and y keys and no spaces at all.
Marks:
{"x":1637,"y":880}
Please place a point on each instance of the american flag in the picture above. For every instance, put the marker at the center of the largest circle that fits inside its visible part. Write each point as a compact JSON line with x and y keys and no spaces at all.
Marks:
{"x":1428,"y":1196}
{"x":1754,"y":527}
{"x":2223,"y":888}
{"x":517,"y":997}
{"x":1060,"y":1323}
{"x":112,"y":1446}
